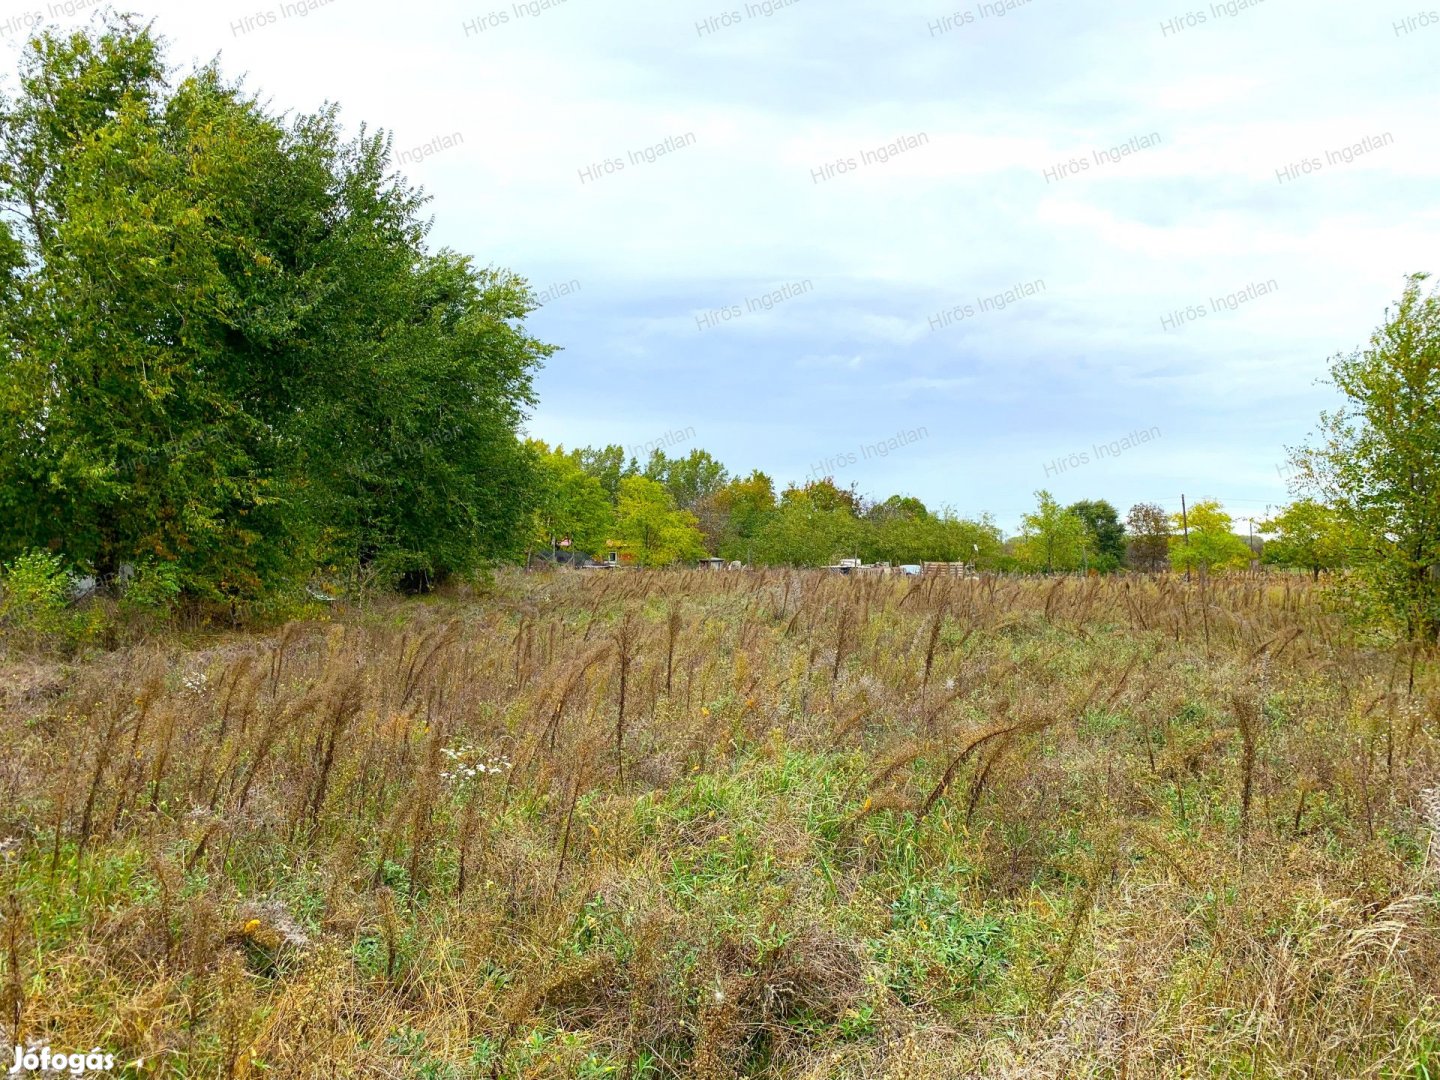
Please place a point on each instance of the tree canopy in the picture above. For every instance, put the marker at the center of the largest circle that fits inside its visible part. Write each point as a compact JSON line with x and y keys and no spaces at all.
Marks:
{"x":226,"y":344}
{"x":1210,"y":543}
{"x":1149,"y":528}
{"x":1106,"y":533}
{"x":1052,"y":538}
{"x":1376,"y":462}
{"x":1309,"y":536}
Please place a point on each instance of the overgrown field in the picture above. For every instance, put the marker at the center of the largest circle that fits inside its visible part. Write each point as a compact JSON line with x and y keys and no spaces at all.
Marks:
{"x":719,"y":825}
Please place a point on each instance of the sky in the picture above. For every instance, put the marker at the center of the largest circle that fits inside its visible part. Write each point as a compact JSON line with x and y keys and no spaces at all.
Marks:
{"x":1002,"y":238}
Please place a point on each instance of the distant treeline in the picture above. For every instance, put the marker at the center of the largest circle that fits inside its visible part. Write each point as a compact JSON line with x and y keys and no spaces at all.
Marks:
{"x":671,"y":509}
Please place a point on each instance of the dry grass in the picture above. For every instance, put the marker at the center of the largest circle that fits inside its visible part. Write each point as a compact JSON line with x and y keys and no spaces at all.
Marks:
{"x":717,"y":825}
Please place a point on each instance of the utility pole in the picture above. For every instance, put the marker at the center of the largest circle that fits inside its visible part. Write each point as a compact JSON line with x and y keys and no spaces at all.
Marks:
{"x":1185,"y":524}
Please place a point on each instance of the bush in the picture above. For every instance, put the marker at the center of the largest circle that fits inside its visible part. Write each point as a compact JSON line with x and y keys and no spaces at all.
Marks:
{"x":153,"y":589}
{"x":34,"y":593}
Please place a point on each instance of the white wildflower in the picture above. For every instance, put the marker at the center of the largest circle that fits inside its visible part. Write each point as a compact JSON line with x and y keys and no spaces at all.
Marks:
{"x":470,"y":763}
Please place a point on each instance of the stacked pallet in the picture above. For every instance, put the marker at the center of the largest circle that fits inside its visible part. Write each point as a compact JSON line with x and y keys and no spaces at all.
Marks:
{"x":945,"y":569}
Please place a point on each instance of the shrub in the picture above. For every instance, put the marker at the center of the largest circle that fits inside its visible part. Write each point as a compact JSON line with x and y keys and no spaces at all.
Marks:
{"x":34,"y":592}
{"x":154,"y":589}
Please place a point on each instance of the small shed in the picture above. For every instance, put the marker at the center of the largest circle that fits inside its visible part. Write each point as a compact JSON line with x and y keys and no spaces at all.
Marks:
{"x":619,"y":553}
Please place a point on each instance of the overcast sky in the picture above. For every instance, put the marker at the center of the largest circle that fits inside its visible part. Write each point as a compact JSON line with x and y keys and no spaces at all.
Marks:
{"x":988,"y":100}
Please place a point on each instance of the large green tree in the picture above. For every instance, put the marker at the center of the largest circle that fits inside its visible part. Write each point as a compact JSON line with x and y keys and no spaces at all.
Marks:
{"x":690,"y":479}
{"x":1052,"y":538}
{"x":1149,"y":529}
{"x":225,"y":344}
{"x":1376,"y":462}
{"x":734,"y":516}
{"x":1210,"y":543}
{"x":570,"y":505}
{"x":824,"y":495}
{"x":1107,"y":533}
{"x":1308,"y":535}
{"x":608,"y":465}
{"x":799,"y":533}
{"x":647,"y":520}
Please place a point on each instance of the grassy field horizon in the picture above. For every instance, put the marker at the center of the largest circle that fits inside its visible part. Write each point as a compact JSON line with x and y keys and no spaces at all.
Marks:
{"x":779,"y":824}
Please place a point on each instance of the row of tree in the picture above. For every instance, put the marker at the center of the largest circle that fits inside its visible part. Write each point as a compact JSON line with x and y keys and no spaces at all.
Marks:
{"x":671,"y":510}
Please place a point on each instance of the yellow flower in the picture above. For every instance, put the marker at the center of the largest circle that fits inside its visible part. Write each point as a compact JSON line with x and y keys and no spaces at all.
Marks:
{"x":704,"y":711}
{"x":252,"y":926}
{"x":868,"y":803}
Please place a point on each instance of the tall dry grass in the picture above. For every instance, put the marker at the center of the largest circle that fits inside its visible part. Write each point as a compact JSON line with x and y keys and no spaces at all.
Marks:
{"x":714,"y":825}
